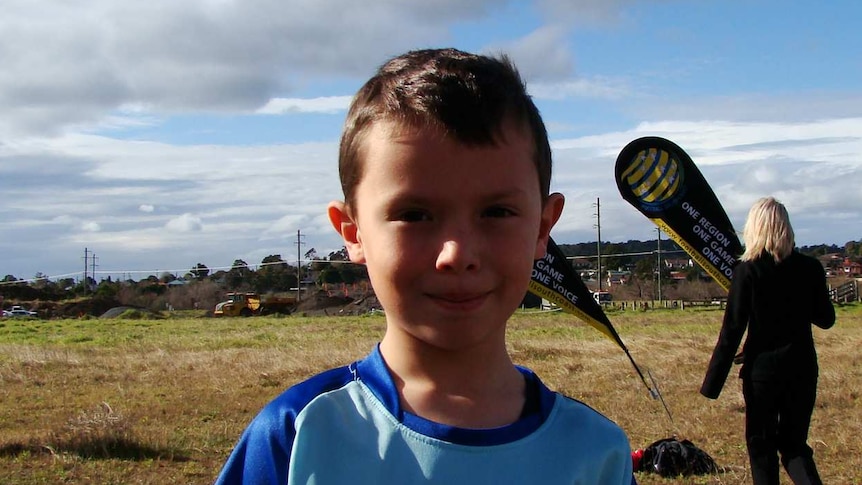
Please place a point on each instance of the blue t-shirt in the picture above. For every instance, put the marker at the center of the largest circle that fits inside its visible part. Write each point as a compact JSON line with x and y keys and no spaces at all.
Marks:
{"x":346,"y":425}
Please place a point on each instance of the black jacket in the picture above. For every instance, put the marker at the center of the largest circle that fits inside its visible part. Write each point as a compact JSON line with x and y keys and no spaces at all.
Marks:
{"x":778,"y":303}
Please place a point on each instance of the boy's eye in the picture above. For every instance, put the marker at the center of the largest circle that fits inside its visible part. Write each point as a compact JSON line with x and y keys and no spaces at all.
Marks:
{"x":413,"y":216}
{"x":498,"y":212}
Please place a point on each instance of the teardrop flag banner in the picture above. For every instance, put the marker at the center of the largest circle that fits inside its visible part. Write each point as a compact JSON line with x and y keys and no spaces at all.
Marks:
{"x":555,"y":280}
{"x":661,"y":181}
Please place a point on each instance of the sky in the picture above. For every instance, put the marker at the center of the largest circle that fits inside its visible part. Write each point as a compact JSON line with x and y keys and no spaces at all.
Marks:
{"x":157,"y":135}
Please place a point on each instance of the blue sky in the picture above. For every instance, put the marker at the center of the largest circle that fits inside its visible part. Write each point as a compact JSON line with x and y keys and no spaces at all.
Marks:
{"x":163,"y":134}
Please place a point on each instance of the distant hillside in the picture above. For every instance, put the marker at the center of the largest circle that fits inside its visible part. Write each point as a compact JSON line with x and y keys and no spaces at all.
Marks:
{"x":851,"y":249}
{"x":588,"y":249}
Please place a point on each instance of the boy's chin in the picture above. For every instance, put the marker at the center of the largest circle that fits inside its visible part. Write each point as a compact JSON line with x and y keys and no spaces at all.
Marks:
{"x":448,"y":336}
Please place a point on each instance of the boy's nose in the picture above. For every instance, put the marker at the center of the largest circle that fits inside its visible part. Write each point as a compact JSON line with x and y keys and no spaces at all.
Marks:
{"x":457,"y":256}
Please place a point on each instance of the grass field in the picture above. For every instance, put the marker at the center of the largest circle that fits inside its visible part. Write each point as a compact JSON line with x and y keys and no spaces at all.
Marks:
{"x":163,"y":401}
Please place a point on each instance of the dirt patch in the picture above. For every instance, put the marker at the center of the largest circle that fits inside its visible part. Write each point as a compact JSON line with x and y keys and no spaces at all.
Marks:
{"x":317,"y":303}
{"x":77,"y":308}
{"x":130,"y":312}
{"x":326,"y":303}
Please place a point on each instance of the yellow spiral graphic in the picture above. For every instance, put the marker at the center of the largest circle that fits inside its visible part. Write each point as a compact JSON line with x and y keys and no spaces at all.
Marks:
{"x":653,"y":176}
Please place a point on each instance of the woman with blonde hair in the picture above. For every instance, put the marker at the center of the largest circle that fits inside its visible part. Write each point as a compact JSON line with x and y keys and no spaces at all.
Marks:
{"x":776,"y":293}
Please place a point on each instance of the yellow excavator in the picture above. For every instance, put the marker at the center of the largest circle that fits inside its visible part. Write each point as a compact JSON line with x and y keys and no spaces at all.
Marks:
{"x":248,"y":304}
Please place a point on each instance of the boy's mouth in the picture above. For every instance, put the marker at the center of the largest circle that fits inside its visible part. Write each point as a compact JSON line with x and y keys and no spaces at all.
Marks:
{"x":459,"y":301}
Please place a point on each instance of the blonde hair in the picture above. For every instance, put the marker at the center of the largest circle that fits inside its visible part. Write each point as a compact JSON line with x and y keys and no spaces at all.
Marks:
{"x":767,"y":230}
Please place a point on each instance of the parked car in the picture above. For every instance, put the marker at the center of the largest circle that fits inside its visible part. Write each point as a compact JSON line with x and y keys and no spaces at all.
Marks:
{"x":19,"y":311}
{"x":603,"y":297}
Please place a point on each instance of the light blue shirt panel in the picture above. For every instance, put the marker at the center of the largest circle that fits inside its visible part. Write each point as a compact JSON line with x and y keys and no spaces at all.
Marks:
{"x":576,"y":445}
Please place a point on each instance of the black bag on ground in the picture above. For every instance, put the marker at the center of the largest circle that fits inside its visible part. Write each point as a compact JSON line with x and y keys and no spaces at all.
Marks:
{"x":671,"y":457}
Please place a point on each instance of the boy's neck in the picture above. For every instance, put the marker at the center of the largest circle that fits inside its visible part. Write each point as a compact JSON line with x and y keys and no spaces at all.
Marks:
{"x":468,"y":388}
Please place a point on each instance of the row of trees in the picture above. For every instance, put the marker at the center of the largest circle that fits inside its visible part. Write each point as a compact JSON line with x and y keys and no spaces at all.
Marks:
{"x":851,"y":249}
{"x":201,"y":287}
{"x":273,"y":274}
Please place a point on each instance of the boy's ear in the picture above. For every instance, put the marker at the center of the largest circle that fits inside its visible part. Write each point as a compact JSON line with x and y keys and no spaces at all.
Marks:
{"x":551,"y":212}
{"x":345,"y":225}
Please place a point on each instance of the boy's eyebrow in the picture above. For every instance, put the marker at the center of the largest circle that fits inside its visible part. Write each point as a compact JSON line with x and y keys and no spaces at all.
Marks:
{"x":411,"y":197}
{"x":513,"y":192}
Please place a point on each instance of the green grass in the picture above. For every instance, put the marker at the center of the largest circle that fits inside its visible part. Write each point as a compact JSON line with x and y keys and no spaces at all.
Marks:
{"x":163,"y":400}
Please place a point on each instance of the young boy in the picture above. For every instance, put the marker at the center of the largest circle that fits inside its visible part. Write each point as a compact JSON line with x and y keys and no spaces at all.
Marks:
{"x":445,"y":167}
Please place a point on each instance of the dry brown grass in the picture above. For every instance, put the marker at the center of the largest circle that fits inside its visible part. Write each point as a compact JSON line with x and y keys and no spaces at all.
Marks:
{"x":163,"y":401}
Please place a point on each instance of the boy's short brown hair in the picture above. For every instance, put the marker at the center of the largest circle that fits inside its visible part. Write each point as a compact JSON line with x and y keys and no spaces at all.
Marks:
{"x":465,"y":96}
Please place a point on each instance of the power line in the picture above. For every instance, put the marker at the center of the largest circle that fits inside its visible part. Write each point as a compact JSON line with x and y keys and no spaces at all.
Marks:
{"x":616,"y":255}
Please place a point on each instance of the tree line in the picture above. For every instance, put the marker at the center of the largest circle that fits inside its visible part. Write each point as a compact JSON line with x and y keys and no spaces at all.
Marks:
{"x":200,"y":286}
{"x":272,"y":275}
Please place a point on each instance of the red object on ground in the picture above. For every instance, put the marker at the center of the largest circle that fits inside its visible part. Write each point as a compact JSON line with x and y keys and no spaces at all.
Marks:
{"x":636,"y":459}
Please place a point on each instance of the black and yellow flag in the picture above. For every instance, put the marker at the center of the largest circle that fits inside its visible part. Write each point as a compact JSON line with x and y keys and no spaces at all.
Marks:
{"x":661,"y":181}
{"x":555,"y":280}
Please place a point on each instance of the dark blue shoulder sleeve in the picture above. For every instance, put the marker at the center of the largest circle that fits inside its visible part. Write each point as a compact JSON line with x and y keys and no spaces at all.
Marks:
{"x":262,"y":454}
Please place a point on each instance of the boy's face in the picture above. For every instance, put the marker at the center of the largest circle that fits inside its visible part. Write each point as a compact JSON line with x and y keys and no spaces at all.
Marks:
{"x":448,"y":232}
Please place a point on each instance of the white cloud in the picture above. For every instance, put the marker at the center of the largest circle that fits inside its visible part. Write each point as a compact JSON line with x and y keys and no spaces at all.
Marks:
{"x":242,"y":202}
{"x":765,"y":175}
{"x":542,"y":55}
{"x":328,"y":104}
{"x":185,"y":223}
{"x":91,"y":227}
{"x":750,"y":107}
{"x":286,"y":226}
{"x":62,"y":219}
{"x":595,"y":88}
{"x":81,"y":64}
{"x":813,"y":167}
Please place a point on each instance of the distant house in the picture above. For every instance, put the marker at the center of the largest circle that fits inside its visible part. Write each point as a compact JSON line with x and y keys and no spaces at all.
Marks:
{"x":618,"y":277}
{"x":678,"y":263}
{"x":588,"y":274}
{"x":579,"y":262}
{"x":678,"y":275}
{"x":851,"y":268}
{"x":831,"y":261}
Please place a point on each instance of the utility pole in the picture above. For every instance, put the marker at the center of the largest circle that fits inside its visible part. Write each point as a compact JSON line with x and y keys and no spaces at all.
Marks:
{"x":599,"y":242}
{"x":85,"y":269}
{"x":658,"y":265}
{"x":299,"y":244}
{"x":93,"y":264}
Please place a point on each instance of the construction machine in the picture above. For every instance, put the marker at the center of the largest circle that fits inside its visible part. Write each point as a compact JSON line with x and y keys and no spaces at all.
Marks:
{"x":247,"y":304}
